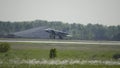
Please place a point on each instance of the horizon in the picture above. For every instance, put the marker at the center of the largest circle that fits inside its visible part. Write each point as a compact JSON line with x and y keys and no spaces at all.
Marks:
{"x":105,"y":12}
{"x":59,"y":21}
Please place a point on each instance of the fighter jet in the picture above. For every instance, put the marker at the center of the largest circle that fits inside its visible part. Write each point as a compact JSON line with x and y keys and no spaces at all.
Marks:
{"x":56,"y":33}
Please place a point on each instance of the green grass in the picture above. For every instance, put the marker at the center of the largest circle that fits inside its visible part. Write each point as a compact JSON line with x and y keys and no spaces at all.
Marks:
{"x":74,"y":51}
{"x":61,"y":54}
{"x":58,"y":66}
{"x":64,"y":51}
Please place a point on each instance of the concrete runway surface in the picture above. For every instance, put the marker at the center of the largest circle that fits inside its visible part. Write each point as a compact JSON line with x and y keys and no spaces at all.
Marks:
{"x":67,"y":42}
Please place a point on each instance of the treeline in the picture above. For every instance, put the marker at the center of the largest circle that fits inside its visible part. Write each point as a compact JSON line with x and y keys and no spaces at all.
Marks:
{"x":78,"y":31}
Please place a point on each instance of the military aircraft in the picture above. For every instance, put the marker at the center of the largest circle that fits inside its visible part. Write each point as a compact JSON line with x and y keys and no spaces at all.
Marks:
{"x":56,"y":33}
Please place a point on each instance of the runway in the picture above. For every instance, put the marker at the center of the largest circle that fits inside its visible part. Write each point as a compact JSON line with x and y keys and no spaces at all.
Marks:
{"x":66,"y":42}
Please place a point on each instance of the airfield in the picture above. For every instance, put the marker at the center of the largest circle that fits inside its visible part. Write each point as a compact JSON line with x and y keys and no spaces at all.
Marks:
{"x":34,"y":53}
{"x":61,"y":41}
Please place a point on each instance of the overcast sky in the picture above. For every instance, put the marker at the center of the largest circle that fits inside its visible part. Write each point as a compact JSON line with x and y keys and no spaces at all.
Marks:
{"x":105,"y":12}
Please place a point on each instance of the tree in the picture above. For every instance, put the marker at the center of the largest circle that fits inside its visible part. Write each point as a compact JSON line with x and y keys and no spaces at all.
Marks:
{"x":78,"y":31}
{"x":53,"y":53}
{"x":4,"y":47}
{"x":116,"y":37}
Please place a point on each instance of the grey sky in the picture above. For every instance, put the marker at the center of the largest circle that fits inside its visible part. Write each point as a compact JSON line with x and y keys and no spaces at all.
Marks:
{"x":105,"y":12}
